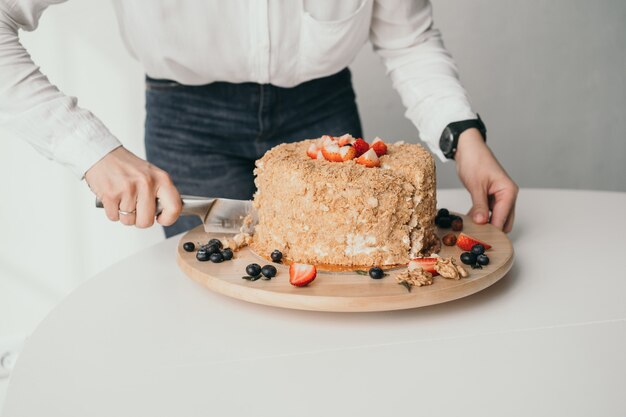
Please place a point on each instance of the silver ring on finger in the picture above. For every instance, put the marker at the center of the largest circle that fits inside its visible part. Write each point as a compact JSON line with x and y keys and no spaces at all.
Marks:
{"x":126,"y":213}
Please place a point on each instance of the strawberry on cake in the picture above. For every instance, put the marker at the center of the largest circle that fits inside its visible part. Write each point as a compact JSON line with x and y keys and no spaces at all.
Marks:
{"x":342,"y":201}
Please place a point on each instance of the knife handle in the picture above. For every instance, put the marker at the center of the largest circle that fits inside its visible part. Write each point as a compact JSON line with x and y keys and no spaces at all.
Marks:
{"x":192,"y":206}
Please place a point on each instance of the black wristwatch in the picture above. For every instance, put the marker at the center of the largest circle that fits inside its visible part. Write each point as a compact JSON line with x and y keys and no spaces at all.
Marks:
{"x":450,"y":136}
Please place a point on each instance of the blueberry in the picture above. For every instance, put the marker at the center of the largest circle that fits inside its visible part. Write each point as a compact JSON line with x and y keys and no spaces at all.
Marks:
{"x":482,"y":260}
{"x":468,"y":258}
{"x":189,"y":246}
{"x":444,"y":222}
{"x":210,"y":249}
{"x":227,"y":254}
{"x":376,"y":273}
{"x":277,"y":256}
{"x":443,"y":212}
{"x":216,"y":242}
{"x":478,"y":249}
{"x":216,"y":257}
{"x":348,"y":144}
{"x":269,"y":271}
{"x":202,"y":255}
{"x":253,"y":270}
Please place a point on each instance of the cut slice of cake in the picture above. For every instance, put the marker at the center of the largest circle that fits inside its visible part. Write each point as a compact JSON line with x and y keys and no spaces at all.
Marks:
{"x":366,"y":211}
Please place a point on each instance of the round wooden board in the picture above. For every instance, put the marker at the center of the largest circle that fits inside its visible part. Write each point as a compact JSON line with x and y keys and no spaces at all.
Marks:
{"x":346,"y":291}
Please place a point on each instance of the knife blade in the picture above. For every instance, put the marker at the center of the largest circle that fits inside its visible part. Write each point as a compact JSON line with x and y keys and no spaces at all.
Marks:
{"x":218,"y":215}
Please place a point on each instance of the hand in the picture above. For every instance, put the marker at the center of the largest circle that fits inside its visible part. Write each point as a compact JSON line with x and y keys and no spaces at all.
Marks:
{"x":127,"y":183}
{"x":489,"y":185}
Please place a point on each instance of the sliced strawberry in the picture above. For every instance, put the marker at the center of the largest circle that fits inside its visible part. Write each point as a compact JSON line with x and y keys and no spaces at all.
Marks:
{"x":345,"y":139}
{"x":347,"y":153}
{"x":301,"y":274}
{"x":360,"y":146}
{"x":312,"y":151}
{"x":427,"y":264}
{"x":466,"y":242}
{"x":369,"y":159}
{"x":379,"y":146}
{"x":320,"y":155}
{"x":331,"y":152}
{"x":327,"y":140}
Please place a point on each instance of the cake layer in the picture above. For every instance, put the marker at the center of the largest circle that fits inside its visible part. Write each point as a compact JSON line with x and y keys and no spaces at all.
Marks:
{"x":343,"y":213}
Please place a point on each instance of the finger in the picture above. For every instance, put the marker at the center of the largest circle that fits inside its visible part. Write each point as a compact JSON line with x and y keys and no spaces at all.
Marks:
{"x":480,"y":206}
{"x":146,"y":206}
{"x":111,"y":207}
{"x":508,"y":226}
{"x":128,"y":217}
{"x":504,"y":201}
{"x":170,"y":202}
{"x":128,"y":204}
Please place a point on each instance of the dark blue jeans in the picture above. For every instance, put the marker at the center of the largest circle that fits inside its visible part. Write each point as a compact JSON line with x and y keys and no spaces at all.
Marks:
{"x":208,"y":137}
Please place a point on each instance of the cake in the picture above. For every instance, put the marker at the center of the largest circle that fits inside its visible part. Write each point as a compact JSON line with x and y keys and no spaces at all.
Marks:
{"x":320,"y":208}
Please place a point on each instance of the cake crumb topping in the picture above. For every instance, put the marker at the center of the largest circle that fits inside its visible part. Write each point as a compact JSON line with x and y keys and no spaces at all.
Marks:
{"x":320,"y":212}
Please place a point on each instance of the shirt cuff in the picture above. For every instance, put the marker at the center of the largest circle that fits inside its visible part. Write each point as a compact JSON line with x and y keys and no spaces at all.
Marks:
{"x":79,"y":154}
{"x":432,"y":124}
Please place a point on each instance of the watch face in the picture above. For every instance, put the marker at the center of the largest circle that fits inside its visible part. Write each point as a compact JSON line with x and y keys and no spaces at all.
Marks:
{"x":447,"y":141}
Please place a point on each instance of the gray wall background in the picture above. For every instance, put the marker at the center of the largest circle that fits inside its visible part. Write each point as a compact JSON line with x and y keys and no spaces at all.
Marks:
{"x":546,"y":76}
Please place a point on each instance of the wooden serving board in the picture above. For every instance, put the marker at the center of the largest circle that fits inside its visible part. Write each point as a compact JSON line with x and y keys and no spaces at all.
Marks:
{"x":345,"y":291}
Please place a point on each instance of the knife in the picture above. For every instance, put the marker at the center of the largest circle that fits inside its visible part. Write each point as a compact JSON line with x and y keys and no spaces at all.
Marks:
{"x":218,"y":215}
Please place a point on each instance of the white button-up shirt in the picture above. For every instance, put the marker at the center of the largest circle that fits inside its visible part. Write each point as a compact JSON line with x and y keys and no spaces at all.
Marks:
{"x":282,"y":42}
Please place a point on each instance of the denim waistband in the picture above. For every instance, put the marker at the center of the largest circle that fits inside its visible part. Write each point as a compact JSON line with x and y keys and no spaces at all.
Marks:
{"x":222,"y":87}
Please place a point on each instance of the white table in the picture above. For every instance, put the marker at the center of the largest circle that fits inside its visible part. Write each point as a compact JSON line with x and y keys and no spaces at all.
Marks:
{"x":549,"y":339}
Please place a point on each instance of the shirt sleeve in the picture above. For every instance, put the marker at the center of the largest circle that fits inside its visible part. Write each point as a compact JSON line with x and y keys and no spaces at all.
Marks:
{"x":421,"y":69}
{"x":33,"y":109}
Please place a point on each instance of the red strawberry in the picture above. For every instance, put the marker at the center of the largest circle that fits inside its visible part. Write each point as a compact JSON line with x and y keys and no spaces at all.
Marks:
{"x":312,"y":151}
{"x":347,"y":153}
{"x":331,"y":153}
{"x":360,"y":146}
{"x":466,"y":242}
{"x":369,"y":159}
{"x":301,"y":274}
{"x":427,"y":264}
{"x":345,"y":139}
{"x":379,"y":147}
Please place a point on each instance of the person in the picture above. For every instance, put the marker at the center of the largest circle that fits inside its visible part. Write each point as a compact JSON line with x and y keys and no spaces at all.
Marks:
{"x":226,"y":81}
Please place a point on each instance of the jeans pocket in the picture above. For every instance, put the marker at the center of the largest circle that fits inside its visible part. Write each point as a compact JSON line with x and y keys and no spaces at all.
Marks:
{"x":153,"y":84}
